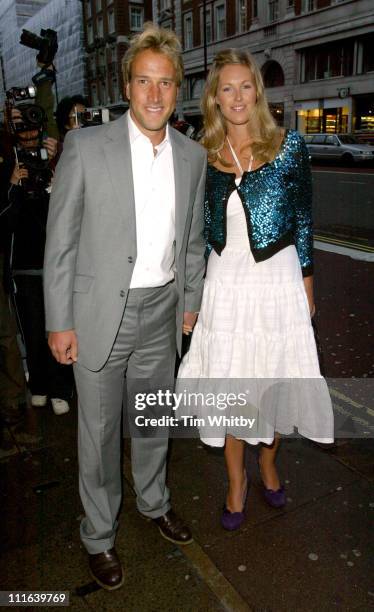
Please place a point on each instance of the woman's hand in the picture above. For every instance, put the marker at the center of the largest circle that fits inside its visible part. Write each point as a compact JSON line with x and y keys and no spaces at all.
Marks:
{"x":308,"y":284}
{"x":19,"y":173}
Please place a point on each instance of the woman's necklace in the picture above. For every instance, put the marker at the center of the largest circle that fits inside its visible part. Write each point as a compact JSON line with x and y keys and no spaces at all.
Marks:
{"x":236,"y":160}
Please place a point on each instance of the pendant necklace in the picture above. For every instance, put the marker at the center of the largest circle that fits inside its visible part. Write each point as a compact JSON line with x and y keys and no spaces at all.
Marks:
{"x":236,"y":160}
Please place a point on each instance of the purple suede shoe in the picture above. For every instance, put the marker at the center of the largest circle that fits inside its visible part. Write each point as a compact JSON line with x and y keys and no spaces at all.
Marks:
{"x":233,"y":520}
{"x":275,"y":499}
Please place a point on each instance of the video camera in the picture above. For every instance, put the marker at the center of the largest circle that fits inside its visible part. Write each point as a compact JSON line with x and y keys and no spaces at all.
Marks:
{"x":46,"y":44}
{"x":26,"y":122}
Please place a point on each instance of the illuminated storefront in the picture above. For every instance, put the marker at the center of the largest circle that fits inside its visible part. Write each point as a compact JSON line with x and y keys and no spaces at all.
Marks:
{"x":330,"y":115}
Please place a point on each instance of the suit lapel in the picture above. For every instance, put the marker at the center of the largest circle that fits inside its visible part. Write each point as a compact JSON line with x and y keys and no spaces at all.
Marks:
{"x":118,"y":158}
{"x":182,"y":172}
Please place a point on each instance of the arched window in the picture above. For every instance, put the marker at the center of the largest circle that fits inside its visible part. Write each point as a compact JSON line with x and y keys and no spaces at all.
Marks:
{"x":272,"y":74}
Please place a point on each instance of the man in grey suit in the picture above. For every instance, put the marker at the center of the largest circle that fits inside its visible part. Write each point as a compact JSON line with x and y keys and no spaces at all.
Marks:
{"x":124,"y":266}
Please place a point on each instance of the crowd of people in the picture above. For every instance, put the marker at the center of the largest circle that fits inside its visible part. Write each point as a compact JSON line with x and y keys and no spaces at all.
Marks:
{"x":147,"y":235}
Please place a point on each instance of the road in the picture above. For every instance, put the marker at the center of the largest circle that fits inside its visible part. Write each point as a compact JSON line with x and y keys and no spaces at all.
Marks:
{"x":344,"y":206}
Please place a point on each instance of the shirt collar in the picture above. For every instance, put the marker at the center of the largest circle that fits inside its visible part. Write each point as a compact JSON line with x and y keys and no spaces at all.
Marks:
{"x":135,"y":134}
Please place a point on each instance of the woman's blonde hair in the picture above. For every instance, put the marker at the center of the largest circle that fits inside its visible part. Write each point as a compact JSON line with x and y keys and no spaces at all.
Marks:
{"x":264,"y":132}
{"x":156,"y":39}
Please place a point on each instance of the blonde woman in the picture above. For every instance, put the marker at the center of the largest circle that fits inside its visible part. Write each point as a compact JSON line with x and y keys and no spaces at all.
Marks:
{"x":255,"y":319}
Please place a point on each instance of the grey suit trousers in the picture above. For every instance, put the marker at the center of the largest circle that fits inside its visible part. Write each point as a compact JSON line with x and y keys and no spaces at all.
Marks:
{"x":144,"y":351}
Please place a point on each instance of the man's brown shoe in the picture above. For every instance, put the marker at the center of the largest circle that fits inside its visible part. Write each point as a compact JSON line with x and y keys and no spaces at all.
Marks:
{"x":173,"y":529}
{"x":106,"y":569}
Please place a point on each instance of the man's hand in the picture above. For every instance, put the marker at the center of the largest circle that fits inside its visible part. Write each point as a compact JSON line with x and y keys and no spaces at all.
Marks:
{"x":19,"y":173}
{"x":51,"y":145}
{"x":189,"y":320}
{"x":64,"y":346}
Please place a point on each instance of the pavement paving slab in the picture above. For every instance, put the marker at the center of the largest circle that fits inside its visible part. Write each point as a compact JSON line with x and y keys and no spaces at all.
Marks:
{"x":344,"y":314}
{"x":198,"y":484}
{"x":317,"y":558}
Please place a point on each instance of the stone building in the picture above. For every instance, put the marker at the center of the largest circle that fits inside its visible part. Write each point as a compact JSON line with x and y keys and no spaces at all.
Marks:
{"x":108,"y":26}
{"x":317,"y":56}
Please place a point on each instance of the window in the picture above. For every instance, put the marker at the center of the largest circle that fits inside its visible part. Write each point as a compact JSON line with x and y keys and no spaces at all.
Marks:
{"x":241,"y":16}
{"x":290,"y":3}
{"x":187,"y":31}
{"x":319,"y":139}
{"x":116,"y":96}
{"x":94,"y":98}
{"x":104,"y":93}
{"x":98,"y":5}
{"x":367,"y":54}
{"x":254,"y":9}
{"x":219,"y":21}
{"x":89,"y":34}
{"x":88,"y":9}
{"x":307,"y":6}
{"x":136,"y":18}
{"x":331,"y":140}
{"x":272,"y":74}
{"x":197,"y":88}
{"x":102,"y":59}
{"x":100,"y":27}
{"x":327,"y":61}
{"x":273,"y":10}
{"x":164,"y":4}
{"x":208,"y":24}
{"x":111,"y":22}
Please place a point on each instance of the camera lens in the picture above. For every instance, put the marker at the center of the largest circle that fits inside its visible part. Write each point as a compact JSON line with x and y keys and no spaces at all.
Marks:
{"x":34,"y":115}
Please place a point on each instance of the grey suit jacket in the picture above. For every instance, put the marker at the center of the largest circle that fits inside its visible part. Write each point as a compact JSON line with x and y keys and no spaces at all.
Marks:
{"x":91,"y":235}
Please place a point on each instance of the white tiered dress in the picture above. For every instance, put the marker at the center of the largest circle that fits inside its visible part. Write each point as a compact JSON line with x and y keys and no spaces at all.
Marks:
{"x":254,"y":325}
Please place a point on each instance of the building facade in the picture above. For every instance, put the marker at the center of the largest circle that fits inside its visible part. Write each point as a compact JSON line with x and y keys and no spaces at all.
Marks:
{"x":108,"y":25}
{"x":316,"y":56}
{"x":18,"y":63}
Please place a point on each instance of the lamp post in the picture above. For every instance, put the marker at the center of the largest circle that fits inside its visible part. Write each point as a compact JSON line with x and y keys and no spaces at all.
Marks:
{"x":205,"y":41}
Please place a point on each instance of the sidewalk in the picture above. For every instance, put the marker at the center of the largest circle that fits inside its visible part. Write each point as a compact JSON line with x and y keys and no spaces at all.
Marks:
{"x":312,"y":556}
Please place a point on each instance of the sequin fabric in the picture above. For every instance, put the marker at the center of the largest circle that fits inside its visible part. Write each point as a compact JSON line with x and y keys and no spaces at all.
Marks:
{"x":277,"y":201}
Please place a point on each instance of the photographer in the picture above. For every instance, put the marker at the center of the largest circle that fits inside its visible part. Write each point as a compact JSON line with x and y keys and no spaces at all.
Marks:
{"x":68,"y":113}
{"x":26,"y":218}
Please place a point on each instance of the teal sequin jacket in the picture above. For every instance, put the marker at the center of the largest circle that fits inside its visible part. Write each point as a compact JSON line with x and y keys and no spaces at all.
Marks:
{"x":277,"y":201}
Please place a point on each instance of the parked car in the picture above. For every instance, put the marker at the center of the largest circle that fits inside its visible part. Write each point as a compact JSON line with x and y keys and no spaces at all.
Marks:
{"x":345,"y":148}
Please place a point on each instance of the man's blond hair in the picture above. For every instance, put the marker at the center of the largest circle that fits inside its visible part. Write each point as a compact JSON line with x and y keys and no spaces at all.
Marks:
{"x":155,"y":39}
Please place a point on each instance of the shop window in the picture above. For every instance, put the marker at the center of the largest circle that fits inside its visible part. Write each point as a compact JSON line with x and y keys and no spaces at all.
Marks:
{"x":272,"y":74}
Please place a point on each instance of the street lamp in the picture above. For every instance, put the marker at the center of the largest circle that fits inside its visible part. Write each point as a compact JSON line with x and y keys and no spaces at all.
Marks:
{"x":205,"y":41}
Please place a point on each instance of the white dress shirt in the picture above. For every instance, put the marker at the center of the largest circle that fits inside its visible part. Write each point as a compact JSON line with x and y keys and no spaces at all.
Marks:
{"x":154,"y":191}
